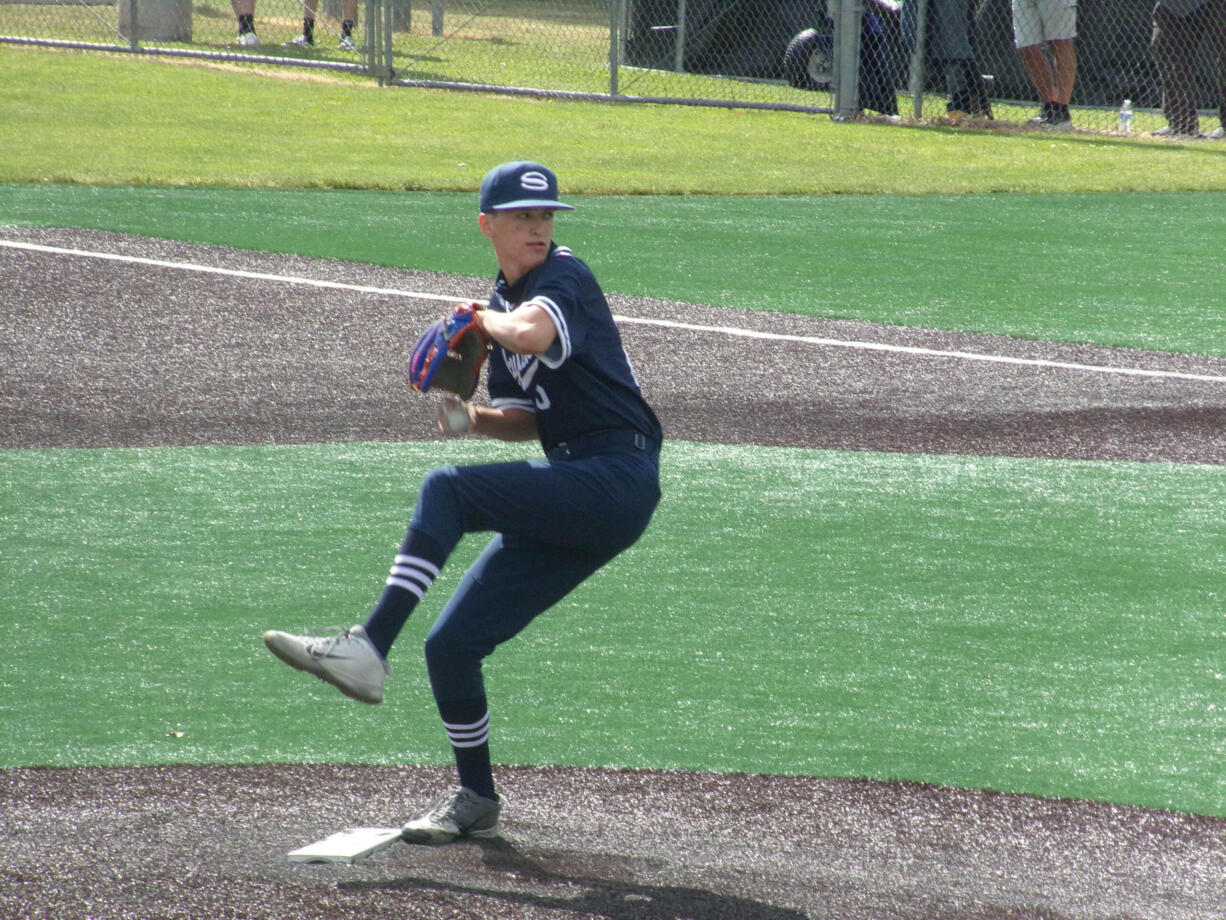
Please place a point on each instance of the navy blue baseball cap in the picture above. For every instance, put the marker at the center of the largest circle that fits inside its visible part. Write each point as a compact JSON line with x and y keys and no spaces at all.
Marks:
{"x":521,"y":184}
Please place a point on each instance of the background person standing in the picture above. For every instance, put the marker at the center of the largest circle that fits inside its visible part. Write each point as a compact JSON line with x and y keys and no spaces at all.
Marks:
{"x":1052,"y":24}
{"x":244,"y":12}
{"x":1181,"y":29}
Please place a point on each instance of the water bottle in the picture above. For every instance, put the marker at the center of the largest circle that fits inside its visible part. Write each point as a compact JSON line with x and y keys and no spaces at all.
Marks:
{"x":1126,"y":118}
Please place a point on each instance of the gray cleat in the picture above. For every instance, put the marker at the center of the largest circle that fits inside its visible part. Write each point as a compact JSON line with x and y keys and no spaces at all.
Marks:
{"x":461,"y":813}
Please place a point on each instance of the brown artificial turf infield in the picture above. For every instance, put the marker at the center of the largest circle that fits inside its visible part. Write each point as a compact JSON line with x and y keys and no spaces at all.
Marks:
{"x":116,"y":353}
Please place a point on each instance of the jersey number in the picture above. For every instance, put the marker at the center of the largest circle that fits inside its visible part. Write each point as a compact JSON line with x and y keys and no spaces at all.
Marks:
{"x":542,"y":399}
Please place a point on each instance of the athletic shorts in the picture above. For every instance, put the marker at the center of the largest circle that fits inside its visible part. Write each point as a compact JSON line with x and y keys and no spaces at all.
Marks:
{"x":1039,"y":21}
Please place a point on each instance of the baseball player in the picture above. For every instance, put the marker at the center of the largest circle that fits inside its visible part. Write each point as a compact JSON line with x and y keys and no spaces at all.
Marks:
{"x":558,"y":373}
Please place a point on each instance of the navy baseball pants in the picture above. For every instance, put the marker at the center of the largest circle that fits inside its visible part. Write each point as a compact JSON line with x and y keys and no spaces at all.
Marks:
{"x":556,"y":521}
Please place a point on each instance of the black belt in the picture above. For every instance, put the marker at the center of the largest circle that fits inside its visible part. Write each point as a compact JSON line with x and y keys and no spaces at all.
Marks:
{"x":599,"y":442}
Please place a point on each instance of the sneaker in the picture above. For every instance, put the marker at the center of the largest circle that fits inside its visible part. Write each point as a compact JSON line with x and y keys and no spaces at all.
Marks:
{"x":1044,"y":118}
{"x":347,"y":43}
{"x":248,"y":38}
{"x":461,"y":813}
{"x":300,"y":42}
{"x":347,"y":660}
{"x":1218,"y":133}
{"x":1174,"y":134}
{"x":1054,"y":117}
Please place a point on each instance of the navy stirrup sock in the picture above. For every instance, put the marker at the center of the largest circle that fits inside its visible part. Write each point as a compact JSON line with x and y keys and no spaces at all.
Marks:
{"x":416,"y":566}
{"x":468,"y":729}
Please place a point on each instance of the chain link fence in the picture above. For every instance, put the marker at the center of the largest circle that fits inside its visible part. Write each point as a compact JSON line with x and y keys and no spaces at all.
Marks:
{"x":1056,"y":64}
{"x":928,"y":60}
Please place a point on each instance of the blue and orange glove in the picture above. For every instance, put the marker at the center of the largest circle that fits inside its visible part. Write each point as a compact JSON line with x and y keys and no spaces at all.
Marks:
{"x":450,"y":353}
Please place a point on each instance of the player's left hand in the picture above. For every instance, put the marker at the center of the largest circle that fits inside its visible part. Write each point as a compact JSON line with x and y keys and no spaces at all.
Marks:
{"x":450,"y":353}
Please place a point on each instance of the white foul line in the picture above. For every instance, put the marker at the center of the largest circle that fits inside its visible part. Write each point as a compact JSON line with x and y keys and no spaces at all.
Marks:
{"x":668,"y":324}
{"x":231,"y":272}
{"x":925,"y":352}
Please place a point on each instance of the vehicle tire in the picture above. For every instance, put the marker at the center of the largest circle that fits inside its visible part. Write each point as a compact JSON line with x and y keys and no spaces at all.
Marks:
{"x":809,"y":61}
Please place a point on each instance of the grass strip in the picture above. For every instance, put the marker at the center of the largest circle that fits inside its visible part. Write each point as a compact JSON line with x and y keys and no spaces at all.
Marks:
{"x":133,"y":120}
{"x":1033,"y":626}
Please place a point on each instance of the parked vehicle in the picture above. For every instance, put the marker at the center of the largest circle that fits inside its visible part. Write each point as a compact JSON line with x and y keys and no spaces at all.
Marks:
{"x":808,"y":60}
{"x":740,"y":38}
{"x":789,"y":40}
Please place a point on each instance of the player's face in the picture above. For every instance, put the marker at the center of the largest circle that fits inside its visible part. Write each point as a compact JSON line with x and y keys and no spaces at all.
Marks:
{"x":521,"y":239}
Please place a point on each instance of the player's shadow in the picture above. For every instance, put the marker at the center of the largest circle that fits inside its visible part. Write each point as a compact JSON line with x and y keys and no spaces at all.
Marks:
{"x":598,"y":897}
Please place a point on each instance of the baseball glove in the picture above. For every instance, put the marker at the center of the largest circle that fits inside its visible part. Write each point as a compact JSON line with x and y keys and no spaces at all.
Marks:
{"x":450,"y":353}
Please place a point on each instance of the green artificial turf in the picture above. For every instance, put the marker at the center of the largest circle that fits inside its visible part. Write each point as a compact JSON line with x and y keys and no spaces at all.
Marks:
{"x":1023,"y":625}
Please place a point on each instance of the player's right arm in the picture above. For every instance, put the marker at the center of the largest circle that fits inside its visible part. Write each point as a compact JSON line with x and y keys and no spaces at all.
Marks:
{"x":454,"y":417}
{"x":504,"y":424}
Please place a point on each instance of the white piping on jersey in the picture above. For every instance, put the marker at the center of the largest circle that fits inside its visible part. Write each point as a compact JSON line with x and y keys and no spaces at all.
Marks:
{"x":557,"y":353}
{"x":510,"y":402}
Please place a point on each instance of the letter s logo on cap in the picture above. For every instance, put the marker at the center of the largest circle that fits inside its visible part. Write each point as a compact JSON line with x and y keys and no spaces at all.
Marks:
{"x":534,"y":181}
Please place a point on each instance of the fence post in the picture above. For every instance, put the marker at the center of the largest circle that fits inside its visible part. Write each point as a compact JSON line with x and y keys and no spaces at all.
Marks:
{"x":915,"y":83}
{"x":847,"y":58}
{"x":156,"y":20}
{"x":389,"y":25}
{"x":379,"y":40}
{"x":679,"y":45}
{"x":616,"y":24}
{"x":370,"y":32}
{"x":436,"y":17}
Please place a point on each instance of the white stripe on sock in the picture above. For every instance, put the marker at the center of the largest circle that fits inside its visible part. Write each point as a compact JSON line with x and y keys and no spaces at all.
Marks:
{"x":404,"y":571}
{"x":471,"y":735}
{"x":410,"y":586}
{"x":414,"y":574}
{"x":424,"y":564}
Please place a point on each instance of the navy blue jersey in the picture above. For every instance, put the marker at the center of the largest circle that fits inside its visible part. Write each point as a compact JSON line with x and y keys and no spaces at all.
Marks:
{"x":584,"y":383}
